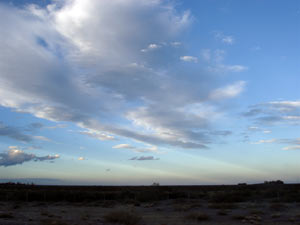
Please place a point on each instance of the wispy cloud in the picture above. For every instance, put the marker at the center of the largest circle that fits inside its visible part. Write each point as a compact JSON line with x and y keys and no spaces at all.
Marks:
{"x":136,"y":149}
{"x":226,"y":39}
{"x":14,"y":133}
{"x":144,"y":158}
{"x":229,"y":91}
{"x":275,"y":112}
{"x":188,"y":58}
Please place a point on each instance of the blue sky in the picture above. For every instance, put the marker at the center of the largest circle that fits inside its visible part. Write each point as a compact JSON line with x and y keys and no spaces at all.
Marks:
{"x":131,"y":92}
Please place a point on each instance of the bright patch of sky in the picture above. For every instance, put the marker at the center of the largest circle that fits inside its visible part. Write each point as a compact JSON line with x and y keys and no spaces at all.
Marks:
{"x":96,"y":92}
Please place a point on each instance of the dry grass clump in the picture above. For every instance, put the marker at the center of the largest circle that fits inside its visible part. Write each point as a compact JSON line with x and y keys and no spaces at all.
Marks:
{"x":6,"y":216}
{"x":53,"y":222}
{"x":222,"y":212}
{"x":122,"y":217}
{"x":223,"y":206}
{"x":276,"y":215}
{"x":256,"y":212}
{"x":198,"y":216}
{"x":239,"y":217}
{"x":277,"y":206}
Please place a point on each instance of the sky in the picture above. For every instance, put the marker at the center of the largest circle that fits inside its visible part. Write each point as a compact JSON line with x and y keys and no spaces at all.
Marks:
{"x":131,"y":92}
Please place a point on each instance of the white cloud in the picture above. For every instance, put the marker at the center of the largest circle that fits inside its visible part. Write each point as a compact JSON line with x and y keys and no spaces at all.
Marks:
{"x":228,"y":40}
{"x":176,"y":43}
{"x":136,"y":149}
{"x":267,"y":131}
{"x":143,"y":158}
{"x":229,"y":91}
{"x":221,"y":68}
{"x":41,"y":138}
{"x":98,"y":135}
{"x":266,"y":141}
{"x":292,"y":147}
{"x":151,"y":47}
{"x":188,"y":58}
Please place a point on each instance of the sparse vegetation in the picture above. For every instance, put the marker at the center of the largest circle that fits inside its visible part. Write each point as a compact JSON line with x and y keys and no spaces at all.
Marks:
{"x":199,"y":216}
{"x":277,"y":207}
{"x":6,"y":216}
{"x":122,"y":217}
{"x":158,"y":204}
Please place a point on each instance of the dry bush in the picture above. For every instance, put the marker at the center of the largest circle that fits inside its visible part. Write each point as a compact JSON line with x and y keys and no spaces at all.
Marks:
{"x":53,"y":222}
{"x":222,"y":212}
{"x":276,"y":215}
{"x":197,"y":216}
{"x":122,"y":217}
{"x":256,"y":212}
{"x":223,"y":206}
{"x":277,"y":206}
{"x":239,"y":217}
{"x":6,"y":216}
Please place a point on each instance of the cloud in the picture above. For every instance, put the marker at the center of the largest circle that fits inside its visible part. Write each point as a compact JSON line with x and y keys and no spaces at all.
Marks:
{"x":267,"y":131}
{"x":216,"y":62}
{"x":227,"y":39}
{"x":79,"y":62}
{"x":41,"y":138}
{"x":206,"y":54}
{"x":275,"y":112}
{"x":266,"y":141}
{"x":34,"y":126}
{"x":98,"y":135}
{"x":188,"y":58}
{"x":14,"y":133}
{"x":175,"y":43}
{"x":151,"y":47}
{"x":292,"y":147}
{"x":221,"y":68}
{"x":229,"y":91}
{"x":136,"y":149}
{"x":57,"y":126}
{"x":14,"y":156}
{"x":143,"y":158}
{"x":293,"y":143}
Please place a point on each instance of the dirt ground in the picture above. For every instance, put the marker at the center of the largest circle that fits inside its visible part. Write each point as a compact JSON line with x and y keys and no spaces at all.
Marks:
{"x":168,"y":212}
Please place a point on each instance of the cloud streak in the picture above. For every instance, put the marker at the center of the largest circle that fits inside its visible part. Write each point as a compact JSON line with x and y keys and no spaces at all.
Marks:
{"x":144,"y":158}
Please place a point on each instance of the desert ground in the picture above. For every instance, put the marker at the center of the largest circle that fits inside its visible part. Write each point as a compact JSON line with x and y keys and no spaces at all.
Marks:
{"x":149,"y":205}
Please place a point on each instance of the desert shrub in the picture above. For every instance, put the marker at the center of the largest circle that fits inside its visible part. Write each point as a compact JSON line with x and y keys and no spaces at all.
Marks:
{"x":223,"y":206}
{"x":197,"y":216}
{"x":122,"y":217}
{"x":276,"y":215}
{"x":178,"y":195}
{"x":277,"y":206}
{"x":222,"y":212}
{"x":239,"y":217}
{"x":147,"y":196}
{"x":6,"y":216}
{"x":256,"y":212}
{"x":225,"y":196}
{"x":53,"y":222}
